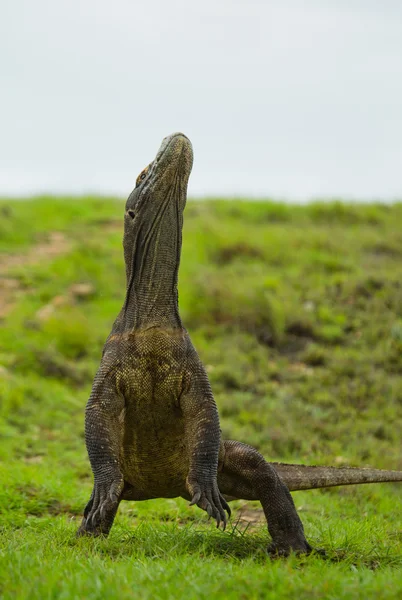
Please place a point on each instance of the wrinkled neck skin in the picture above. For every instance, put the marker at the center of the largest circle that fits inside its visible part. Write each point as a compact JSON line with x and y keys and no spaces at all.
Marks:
{"x":152,"y":296}
{"x":152,"y":240}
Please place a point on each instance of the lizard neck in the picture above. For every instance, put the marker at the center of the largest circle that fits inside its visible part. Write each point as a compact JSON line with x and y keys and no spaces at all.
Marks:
{"x":152,"y":275}
{"x":153,"y":224}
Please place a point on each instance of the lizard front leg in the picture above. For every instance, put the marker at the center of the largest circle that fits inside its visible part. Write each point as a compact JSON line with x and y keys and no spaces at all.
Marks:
{"x":104,"y":421}
{"x":202,"y":435}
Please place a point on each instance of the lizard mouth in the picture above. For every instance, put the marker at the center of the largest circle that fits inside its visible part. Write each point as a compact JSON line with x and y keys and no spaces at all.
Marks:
{"x":176,"y":150}
{"x":166,"y":178}
{"x":178,"y":139}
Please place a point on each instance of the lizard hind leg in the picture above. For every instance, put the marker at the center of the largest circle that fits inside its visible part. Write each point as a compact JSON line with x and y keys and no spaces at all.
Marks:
{"x":245,"y":474}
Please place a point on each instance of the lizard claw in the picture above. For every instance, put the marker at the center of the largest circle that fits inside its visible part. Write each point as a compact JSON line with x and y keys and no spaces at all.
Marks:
{"x":101,"y":509}
{"x":196,"y":498}
{"x":210,"y":499}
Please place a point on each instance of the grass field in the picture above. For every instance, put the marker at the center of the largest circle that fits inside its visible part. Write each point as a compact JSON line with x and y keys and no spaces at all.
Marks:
{"x":296,"y":313}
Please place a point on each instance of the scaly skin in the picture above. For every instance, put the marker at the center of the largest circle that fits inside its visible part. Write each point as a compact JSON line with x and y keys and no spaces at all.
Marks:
{"x":306,"y":477}
{"x":152,"y":426}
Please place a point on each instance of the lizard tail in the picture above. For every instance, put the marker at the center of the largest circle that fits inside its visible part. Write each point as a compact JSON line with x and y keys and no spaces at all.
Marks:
{"x":304,"y":477}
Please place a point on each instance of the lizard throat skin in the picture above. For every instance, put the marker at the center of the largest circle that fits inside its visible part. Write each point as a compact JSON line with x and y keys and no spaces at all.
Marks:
{"x":152,"y":238}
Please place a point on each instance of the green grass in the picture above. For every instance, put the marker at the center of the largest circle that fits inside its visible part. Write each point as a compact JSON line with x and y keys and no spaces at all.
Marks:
{"x":296,"y":312}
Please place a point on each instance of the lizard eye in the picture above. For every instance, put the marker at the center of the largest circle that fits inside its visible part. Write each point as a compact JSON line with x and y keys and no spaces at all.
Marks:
{"x":141,"y":176}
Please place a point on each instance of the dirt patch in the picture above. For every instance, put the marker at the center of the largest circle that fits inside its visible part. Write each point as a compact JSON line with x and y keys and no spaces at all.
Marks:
{"x":75,"y":293}
{"x":55,"y":245}
{"x":250,"y":516}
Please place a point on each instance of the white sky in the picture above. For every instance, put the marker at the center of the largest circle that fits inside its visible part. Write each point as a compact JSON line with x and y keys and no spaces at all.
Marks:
{"x":280,"y":98}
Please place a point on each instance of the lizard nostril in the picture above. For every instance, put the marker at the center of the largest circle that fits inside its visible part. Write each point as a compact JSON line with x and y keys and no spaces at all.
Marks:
{"x":131,"y":213}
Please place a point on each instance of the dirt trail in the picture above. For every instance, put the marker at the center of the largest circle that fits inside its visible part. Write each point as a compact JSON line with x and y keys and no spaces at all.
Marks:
{"x":10,"y":287}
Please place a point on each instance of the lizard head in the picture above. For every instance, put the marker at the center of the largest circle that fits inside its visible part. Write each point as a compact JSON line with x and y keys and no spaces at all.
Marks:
{"x":154,"y":210}
{"x":164,"y":179}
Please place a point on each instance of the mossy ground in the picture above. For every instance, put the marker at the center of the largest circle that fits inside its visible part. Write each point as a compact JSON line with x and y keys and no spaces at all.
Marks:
{"x":296,"y":313}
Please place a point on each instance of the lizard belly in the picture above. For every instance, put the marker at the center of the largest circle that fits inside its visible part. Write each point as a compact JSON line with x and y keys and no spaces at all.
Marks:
{"x":154,"y":451}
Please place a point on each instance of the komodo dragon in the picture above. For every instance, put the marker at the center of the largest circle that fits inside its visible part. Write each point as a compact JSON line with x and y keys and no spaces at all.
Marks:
{"x":152,"y":425}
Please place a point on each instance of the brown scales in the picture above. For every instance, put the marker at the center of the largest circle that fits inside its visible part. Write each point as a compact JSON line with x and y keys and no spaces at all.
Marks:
{"x":152,"y":426}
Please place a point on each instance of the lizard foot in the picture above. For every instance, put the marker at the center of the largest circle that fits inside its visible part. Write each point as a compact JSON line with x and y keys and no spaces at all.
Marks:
{"x":209,"y":498}
{"x":101,"y":509}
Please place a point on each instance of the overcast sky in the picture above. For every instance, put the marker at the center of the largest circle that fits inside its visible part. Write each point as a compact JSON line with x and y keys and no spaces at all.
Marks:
{"x":280,"y":98}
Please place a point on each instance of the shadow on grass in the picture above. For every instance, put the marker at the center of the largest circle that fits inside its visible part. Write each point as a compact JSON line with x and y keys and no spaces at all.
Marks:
{"x":169,"y":541}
